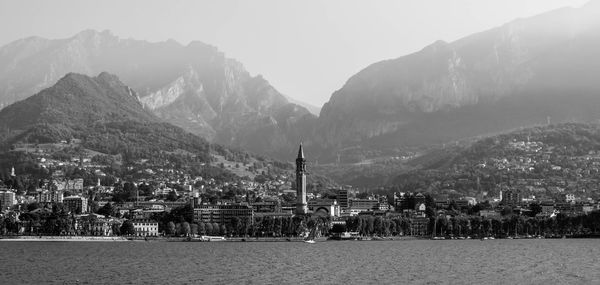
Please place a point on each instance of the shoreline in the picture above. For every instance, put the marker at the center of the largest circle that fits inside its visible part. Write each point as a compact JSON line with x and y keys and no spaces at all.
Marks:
{"x":237,"y":239}
{"x":62,"y":238}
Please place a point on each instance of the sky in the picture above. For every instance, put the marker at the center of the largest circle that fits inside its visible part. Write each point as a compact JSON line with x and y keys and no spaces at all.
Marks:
{"x":306,"y":49}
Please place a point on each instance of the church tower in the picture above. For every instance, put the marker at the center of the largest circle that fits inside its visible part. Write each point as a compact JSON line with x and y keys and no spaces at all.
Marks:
{"x":301,"y":205}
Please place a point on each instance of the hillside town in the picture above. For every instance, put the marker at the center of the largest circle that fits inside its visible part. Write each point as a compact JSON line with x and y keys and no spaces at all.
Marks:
{"x":82,"y":196}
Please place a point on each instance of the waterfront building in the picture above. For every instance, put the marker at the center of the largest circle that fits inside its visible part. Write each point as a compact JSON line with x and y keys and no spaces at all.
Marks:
{"x":301,"y":205}
{"x":418,"y":226}
{"x":145,"y":228}
{"x":76,"y":204}
{"x":221,"y":214}
{"x":103,"y":227}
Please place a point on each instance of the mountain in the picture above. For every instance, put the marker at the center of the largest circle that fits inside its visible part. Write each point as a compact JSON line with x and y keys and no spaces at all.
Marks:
{"x":194,"y":86}
{"x":310,"y":107}
{"x":523,"y":73}
{"x":102,"y":112}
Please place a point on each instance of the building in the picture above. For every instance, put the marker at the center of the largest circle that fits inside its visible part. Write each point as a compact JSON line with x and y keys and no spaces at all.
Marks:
{"x":301,"y":205}
{"x":342,"y":198}
{"x":489,"y":213}
{"x":76,"y":204}
{"x":74,"y":185}
{"x":145,"y":228}
{"x":325,"y":206}
{"x":50,"y":197}
{"x":384,"y":205}
{"x":103,"y":227}
{"x":569,"y":198}
{"x":511,"y":197}
{"x":472,"y":201}
{"x":547,"y":208}
{"x":362,"y":205}
{"x":419,"y":226}
{"x":264,"y":207}
{"x":7,"y":200}
{"x":221,"y":214}
{"x":420,"y":199}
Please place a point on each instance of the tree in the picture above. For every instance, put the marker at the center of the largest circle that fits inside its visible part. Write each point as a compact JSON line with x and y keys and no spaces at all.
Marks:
{"x":116,"y":229}
{"x":507,"y":210}
{"x":172,"y":196}
{"x":185,"y":229}
{"x":194,"y":229}
{"x":216,"y":228}
{"x":183,"y":214}
{"x":209,"y":228}
{"x":127,"y":228}
{"x":535,"y":209}
{"x":106,"y":210}
{"x":171,"y":228}
{"x":32,"y":206}
{"x":223,"y":230}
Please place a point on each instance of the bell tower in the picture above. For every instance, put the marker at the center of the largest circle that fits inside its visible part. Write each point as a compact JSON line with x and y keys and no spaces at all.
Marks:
{"x":301,"y":205}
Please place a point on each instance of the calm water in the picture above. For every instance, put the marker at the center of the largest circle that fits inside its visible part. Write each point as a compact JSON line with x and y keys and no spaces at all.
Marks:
{"x":350,"y":262}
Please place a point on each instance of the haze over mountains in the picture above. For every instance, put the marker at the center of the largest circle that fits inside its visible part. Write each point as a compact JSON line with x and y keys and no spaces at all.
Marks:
{"x":515,"y":75}
{"x":520,"y":74}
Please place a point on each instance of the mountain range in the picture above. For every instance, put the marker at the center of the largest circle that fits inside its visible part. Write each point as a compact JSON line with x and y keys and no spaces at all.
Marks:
{"x":195,"y":86}
{"x":527,"y":72}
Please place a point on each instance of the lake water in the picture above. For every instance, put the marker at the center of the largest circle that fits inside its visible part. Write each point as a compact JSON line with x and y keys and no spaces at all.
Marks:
{"x":331,"y":262}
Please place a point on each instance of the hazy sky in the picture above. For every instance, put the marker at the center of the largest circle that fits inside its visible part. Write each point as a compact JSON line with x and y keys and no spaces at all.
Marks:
{"x":307,"y":49}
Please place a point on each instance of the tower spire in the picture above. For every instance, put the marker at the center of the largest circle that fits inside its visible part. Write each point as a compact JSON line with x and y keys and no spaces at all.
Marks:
{"x":300,"y":152}
{"x":301,"y":205}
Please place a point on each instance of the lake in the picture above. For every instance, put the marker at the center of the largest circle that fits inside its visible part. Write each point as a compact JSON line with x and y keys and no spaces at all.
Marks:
{"x":571,"y":261}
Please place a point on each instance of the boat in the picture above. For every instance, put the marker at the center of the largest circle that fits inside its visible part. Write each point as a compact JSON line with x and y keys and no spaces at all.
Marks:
{"x":309,"y":241}
{"x":212,"y":238}
{"x":345,"y":236}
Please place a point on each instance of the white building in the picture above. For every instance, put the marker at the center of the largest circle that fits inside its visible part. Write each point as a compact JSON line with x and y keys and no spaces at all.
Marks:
{"x":145,"y":228}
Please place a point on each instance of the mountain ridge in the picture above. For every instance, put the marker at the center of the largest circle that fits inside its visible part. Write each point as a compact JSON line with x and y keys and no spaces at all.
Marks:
{"x":193,"y":86}
{"x":102,"y":112}
{"x":482,"y":83}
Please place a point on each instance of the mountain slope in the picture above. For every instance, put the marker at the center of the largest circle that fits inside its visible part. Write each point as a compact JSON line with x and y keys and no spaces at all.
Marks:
{"x":101,"y":111}
{"x":195,"y":86}
{"x":519,"y":74}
